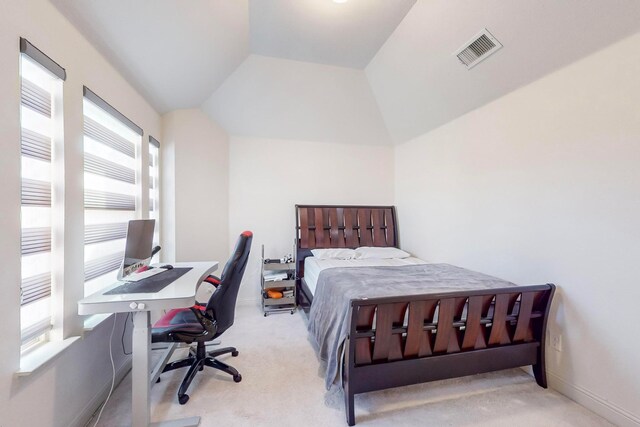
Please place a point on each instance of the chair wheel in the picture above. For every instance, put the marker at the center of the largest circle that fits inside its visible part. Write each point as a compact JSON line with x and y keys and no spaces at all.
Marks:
{"x":265,"y":315}
{"x":291,"y":311}
{"x":235,"y":353}
{"x":183,"y":399}
{"x":237,"y":378}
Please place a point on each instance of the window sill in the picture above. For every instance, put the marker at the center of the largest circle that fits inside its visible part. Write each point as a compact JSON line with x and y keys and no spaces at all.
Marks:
{"x":40,"y":356}
{"x":93,"y":321}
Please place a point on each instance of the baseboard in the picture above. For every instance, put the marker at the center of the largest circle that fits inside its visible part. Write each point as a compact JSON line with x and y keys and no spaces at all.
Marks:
{"x":85,"y":415}
{"x":593,"y":402}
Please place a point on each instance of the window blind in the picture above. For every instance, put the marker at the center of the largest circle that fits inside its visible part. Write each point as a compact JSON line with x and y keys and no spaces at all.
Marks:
{"x":111,"y":147}
{"x":36,"y":126}
{"x":154,"y":186}
{"x":40,"y":80}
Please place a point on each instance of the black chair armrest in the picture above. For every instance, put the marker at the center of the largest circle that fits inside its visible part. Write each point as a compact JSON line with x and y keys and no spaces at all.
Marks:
{"x":211,"y":280}
{"x":214,"y":280}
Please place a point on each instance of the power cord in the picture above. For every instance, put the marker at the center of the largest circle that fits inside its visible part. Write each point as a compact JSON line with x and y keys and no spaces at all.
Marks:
{"x":124,"y":330}
{"x":113,"y":369}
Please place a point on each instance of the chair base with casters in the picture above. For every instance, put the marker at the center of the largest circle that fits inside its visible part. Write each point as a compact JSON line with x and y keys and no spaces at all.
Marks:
{"x":197,"y":360}
{"x":203,"y":323}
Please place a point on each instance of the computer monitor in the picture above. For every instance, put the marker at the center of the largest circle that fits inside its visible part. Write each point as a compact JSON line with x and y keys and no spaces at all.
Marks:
{"x":137,"y":252}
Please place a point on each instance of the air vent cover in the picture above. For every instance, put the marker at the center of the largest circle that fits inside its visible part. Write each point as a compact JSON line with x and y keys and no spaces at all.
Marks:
{"x":479,"y":48}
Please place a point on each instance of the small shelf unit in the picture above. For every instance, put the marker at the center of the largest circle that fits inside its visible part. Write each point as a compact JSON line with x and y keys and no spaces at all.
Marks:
{"x":286,"y":285}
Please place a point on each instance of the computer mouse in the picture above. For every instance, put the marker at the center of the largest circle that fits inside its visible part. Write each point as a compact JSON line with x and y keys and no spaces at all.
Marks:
{"x":167,"y":267}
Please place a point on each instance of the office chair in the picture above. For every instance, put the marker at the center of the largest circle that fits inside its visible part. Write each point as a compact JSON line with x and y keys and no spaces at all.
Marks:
{"x":202,"y":323}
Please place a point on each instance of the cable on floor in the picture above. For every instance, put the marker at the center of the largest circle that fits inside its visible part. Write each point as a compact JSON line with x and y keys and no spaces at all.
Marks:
{"x":113,"y":369}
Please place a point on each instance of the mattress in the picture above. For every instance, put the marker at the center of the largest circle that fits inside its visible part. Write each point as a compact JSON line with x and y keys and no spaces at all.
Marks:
{"x":313,"y":266}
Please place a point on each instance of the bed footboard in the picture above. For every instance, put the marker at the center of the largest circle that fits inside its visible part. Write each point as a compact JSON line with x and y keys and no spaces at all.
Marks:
{"x":396,"y":341}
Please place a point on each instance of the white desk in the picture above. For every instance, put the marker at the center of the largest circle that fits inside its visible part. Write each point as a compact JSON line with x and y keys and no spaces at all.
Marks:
{"x":180,"y":293}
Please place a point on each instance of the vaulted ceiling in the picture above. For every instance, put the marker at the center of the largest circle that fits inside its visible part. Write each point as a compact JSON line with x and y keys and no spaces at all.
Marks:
{"x":178,"y":52}
{"x":346,"y":34}
{"x":364,"y":71}
{"x":175,"y":52}
{"x":419,"y":84}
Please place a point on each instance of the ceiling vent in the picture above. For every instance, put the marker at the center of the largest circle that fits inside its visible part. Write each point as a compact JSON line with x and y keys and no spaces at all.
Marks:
{"x":479,"y":48}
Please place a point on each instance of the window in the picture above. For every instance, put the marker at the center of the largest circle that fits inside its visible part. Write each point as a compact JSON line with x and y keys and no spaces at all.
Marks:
{"x":154,"y":186}
{"x":111,"y":188}
{"x":41,"y":82}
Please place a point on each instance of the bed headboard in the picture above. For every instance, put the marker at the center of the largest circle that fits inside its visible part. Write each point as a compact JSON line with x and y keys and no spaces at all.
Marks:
{"x":343,"y":226}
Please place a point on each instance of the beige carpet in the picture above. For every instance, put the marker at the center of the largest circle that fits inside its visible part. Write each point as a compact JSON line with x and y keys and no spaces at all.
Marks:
{"x":282,"y":386}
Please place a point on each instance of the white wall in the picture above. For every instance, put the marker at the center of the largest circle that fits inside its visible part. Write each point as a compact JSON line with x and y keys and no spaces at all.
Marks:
{"x":195,"y":187}
{"x":71,"y":384}
{"x":268,"y":177}
{"x":542,"y":186}
{"x":300,"y":133}
{"x":284,"y":99}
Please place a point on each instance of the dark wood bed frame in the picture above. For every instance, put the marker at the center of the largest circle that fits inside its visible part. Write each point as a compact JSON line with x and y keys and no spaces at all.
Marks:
{"x":402,"y":340}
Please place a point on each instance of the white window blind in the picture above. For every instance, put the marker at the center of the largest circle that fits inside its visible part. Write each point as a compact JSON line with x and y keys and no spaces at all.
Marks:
{"x":154,"y":186}
{"x":111,"y":188}
{"x":41,"y":81}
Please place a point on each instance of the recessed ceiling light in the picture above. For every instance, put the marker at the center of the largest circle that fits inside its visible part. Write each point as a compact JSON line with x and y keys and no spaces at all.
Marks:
{"x":339,"y":1}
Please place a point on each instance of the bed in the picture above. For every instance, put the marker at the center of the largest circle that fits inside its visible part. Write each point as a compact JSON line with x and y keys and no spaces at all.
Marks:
{"x":396,"y":325}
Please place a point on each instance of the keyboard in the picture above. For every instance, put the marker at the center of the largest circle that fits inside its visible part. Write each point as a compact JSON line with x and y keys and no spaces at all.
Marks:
{"x":134,"y":277}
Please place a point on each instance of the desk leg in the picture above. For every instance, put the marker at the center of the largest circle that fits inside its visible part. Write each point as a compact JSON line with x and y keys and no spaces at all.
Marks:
{"x":140,"y":369}
{"x":140,"y":386}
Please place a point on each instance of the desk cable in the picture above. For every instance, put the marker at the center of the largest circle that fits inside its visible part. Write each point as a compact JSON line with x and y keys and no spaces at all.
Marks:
{"x":124,"y":330}
{"x":113,"y":368}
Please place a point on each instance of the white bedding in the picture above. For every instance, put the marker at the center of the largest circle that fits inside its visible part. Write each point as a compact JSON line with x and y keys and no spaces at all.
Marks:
{"x":313,"y":266}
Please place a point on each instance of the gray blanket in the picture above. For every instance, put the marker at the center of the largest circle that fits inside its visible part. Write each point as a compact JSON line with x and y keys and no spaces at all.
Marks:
{"x":336,"y":287}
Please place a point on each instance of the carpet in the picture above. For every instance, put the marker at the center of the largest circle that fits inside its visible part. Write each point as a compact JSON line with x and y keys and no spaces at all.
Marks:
{"x":282,"y":385}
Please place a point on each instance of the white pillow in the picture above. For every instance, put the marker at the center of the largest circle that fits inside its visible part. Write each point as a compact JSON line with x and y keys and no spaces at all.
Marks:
{"x":366,"y":252}
{"x":337,"y":253}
